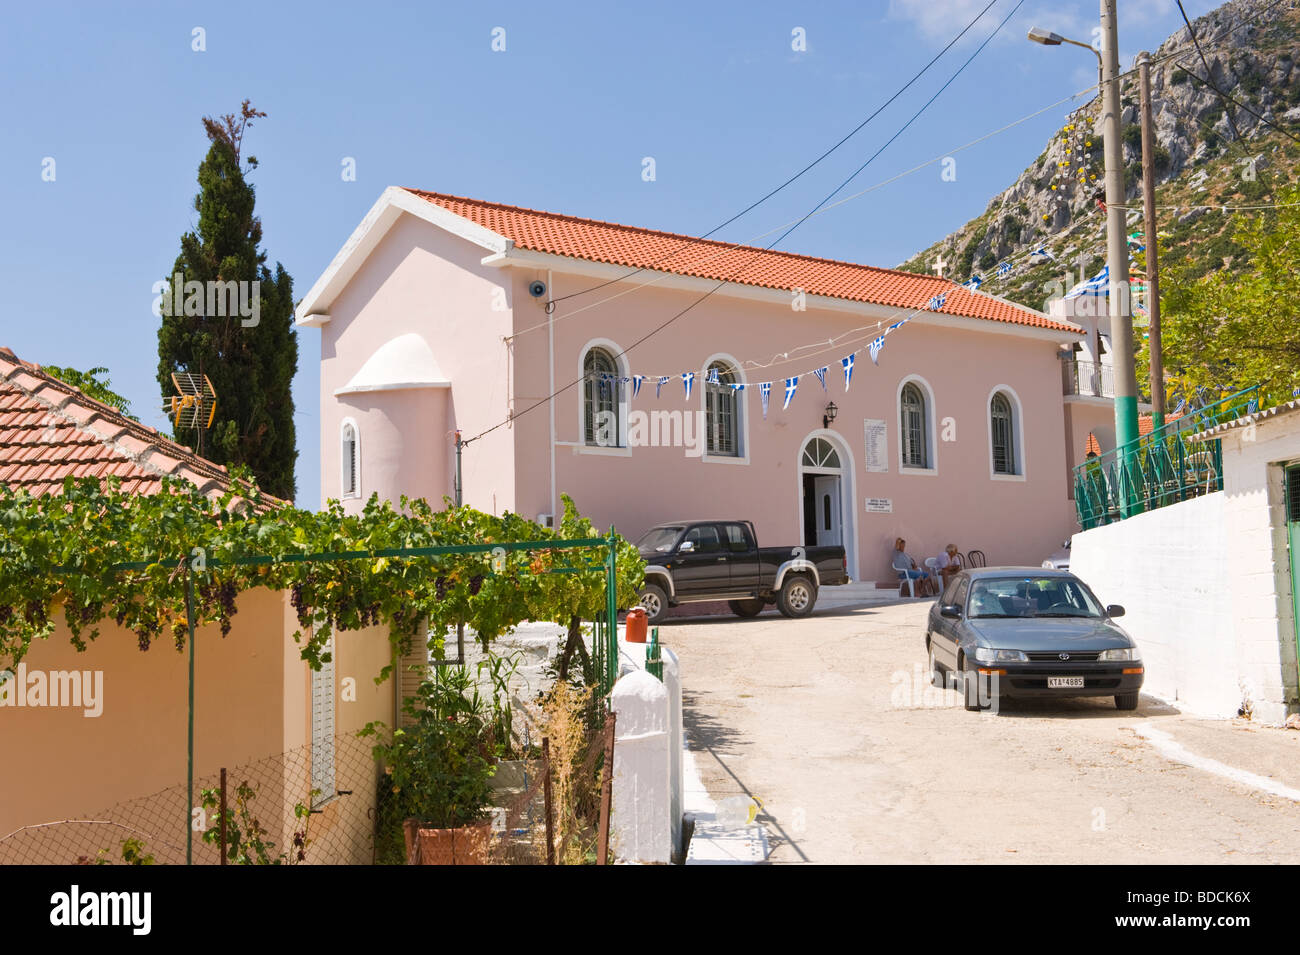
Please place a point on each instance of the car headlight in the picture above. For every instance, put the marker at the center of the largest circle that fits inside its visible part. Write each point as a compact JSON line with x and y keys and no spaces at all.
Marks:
{"x":990,"y":655}
{"x":1125,"y":653}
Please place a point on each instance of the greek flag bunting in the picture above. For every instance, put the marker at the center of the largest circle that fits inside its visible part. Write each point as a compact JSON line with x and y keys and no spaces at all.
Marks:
{"x":936,"y":302}
{"x":1004,"y":269}
{"x":736,"y":385}
{"x":713,"y":376}
{"x":663,"y":380}
{"x":765,"y":392}
{"x":874,"y":348}
{"x":790,"y":385}
{"x":636,"y":384}
{"x":974,"y":282}
{"x":847,"y":364}
{"x":688,"y":377}
{"x":821,"y":375}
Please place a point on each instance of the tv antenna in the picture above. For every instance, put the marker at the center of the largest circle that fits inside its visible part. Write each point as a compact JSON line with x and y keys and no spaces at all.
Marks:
{"x":195,"y":405}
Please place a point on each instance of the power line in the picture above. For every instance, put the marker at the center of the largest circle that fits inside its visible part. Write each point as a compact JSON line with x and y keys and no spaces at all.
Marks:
{"x":1236,"y":133}
{"x":783,"y":235}
{"x":551,"y":303}
{"x":1230,"y":99}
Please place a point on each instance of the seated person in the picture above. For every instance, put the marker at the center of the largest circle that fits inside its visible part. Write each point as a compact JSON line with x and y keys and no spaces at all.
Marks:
{"x":906,"y":567}
{"x":949,"y":563}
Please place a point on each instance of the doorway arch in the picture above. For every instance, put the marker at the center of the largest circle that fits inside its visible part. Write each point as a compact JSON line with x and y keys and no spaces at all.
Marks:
{"x":826,"y":494}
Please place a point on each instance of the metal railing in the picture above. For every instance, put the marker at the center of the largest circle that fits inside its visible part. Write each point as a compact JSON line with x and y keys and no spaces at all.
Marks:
{"x":1159,"y":469}
{"x":1092,"y":379}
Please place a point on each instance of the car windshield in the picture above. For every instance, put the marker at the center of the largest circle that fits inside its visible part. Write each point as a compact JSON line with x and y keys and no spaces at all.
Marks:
{"x":660,"y":540}
{"x":1031,"y":596}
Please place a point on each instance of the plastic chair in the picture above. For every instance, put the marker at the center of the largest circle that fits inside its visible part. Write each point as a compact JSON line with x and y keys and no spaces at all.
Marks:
{"x":906,"y":578}
{"x":976,"y":558}
{"x":932,"y":565}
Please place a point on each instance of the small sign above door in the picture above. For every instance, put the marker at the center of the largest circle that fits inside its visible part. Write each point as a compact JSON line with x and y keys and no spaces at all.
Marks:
{"x":880,"y":505}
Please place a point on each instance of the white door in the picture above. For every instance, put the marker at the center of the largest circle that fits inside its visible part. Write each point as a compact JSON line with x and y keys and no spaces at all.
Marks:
{"x":826,"y":490}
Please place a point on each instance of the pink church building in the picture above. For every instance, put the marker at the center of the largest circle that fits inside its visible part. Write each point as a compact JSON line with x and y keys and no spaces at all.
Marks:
{"x":562,"y":350}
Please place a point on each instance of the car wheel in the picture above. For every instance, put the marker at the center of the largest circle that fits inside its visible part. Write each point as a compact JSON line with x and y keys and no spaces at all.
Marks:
{"x":936,"y":672}
{"x":797,"y":597}
{"x":747,"y":608}
{"x":971,"y":688}
{"x":654,"y":601}
{"x":1126,"y":701}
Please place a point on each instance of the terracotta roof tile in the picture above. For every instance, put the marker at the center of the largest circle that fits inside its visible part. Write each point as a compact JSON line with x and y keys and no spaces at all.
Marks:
{"x":637,"y":248}
{"x":50,"y":430}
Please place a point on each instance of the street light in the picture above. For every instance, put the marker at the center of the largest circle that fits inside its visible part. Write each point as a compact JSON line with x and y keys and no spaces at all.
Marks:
{"x":829,"y":417}
{"x":1048,"y":38}
{"x":1121,"y":323}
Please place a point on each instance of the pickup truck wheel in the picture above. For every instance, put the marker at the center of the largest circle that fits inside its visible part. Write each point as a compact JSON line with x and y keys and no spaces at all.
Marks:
{"x":798,"y":596}
{"x":747,"y":608}
{"x":655,"y":602}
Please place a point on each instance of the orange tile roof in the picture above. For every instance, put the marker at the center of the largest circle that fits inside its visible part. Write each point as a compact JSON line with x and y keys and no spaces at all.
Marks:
{"x":1145,"y":427}
{"x":637,"y":248}
{"x":50,"y":431}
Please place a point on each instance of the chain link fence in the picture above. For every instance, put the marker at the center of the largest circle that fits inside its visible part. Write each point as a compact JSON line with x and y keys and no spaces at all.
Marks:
{"x":276,"y":815}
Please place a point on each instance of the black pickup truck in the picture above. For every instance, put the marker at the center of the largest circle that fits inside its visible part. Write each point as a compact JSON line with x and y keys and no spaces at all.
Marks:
{"x":691,"y":561}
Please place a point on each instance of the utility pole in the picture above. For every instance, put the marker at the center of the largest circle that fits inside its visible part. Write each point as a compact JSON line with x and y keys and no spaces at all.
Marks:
{"x":459,"y":446}
{"x":1121,"y":322}
{"x":1149,"y":233}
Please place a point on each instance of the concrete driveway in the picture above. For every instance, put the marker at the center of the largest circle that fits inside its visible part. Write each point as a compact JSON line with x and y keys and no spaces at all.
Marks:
{"x":831,"y":724}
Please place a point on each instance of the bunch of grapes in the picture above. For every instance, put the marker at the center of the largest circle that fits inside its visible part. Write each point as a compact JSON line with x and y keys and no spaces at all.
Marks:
{"x":304,"y":612}
{"x":475,"y":584}
{"x":35,"y":612}
{"x":179,"y":632}
{"x":226,"y":593}
{"x":440,"y":586}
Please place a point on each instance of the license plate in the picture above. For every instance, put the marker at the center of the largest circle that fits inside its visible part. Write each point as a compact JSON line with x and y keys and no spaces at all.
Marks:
{"x":1065,"y":682}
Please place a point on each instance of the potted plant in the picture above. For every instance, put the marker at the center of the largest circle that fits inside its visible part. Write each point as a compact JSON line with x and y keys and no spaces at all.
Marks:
{"x":439,"y":771}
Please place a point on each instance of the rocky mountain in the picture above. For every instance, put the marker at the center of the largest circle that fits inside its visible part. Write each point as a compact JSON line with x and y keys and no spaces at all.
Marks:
{"x":1211,"y":160}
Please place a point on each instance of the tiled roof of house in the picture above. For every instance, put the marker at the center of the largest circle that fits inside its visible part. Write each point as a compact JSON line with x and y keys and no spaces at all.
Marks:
{"x":50,"y":430}
{"x":1145,"y":427}
{"x":636,"y":248}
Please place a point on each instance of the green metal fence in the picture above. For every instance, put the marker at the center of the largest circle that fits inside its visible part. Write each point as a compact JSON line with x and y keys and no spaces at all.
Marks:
{"x":1159,"y":469}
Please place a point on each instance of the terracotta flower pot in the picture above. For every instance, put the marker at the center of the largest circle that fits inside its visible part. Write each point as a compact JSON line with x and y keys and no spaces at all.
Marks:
{"x":467,"y":845}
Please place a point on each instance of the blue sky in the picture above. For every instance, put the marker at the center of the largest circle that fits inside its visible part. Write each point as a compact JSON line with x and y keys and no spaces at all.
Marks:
{"x":560,"y":120}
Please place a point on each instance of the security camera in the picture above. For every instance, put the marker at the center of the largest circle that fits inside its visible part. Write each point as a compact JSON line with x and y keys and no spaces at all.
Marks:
{"x":537,"y":288}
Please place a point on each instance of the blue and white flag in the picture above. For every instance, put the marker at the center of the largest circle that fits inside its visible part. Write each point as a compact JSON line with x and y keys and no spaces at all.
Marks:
{"x":636,"y":384}
{"x":1004,"y":269}
{"x":1041,"y":255}
{"x":765,"y":392}
{"x":974,"y":282}
{"x":898,"y":324}
{"x":821,"y":375}
{"x":736,"y":385}
{"x":1099,"y":284}
{"x":874,"y":348}
{"x":936,"y":302}
{"x":847,"y":364}
{"x":688,"y":377}
{"x":663,"y":380}
{"x":713,"y":375}
{"x":790,"y":385}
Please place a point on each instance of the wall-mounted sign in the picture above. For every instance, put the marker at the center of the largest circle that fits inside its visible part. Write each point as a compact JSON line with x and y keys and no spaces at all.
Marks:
{"x":880,"y":505}
{"x":877,"y":450}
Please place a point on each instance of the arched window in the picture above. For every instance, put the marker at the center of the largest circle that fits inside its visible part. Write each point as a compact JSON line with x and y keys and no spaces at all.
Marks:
{"x":349,"y":460}
{"x":820,"y":454}
{"x":914,"y":430}
{"x":602,"y":392}
{"x":722,"y":410}
{"x":1003,"y":430}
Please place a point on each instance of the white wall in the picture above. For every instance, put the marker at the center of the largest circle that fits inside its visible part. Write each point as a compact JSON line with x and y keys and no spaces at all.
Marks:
{"x":1169,"y":568}
{"x":1257,"y":550}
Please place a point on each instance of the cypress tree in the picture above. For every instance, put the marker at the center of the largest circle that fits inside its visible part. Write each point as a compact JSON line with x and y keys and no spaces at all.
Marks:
{"x":244,"y":342}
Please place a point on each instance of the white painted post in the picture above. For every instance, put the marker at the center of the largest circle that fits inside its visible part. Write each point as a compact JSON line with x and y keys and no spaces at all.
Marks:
{"x":676,"y":743}
{"x":640,"y":824}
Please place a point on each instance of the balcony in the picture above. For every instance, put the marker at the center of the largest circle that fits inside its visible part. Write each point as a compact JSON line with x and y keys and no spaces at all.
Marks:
{"x":1091,"y":379}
